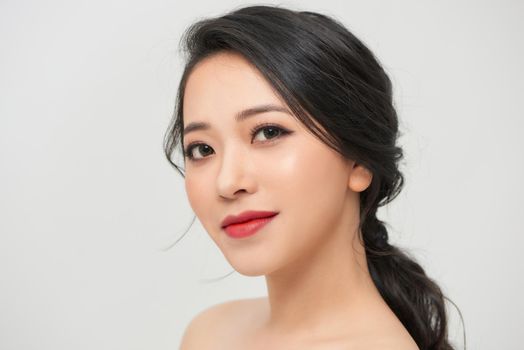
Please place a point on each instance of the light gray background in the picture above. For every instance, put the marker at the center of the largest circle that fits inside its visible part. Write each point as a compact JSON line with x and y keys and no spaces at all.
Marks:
{"x":88,"y":201}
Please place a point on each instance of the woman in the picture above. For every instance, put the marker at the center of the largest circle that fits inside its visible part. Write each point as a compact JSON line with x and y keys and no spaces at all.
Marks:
{"x":288,"y":131}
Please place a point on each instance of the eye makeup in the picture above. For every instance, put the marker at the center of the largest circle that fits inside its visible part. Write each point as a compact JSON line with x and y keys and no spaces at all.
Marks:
{"x":188,"y":152}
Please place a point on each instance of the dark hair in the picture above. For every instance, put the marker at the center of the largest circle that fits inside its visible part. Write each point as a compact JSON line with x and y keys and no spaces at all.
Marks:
{"x":337,"y":88}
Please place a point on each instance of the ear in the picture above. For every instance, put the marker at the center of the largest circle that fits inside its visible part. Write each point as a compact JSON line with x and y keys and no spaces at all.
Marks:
{"x":359,"y":178}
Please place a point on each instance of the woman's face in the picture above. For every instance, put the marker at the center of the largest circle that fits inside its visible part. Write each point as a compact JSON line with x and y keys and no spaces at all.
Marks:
{"x":288,"y":171}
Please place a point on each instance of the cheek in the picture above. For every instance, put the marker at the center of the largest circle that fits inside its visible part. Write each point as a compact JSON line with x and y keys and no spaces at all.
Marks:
{"x":196,"y":194}
{"x":310,"y":175}
{"x":312,"y":187}
{"x":315,"y":196}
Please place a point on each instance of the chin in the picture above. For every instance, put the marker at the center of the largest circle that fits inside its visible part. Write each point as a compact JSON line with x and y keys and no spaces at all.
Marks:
{"x":251,"y":258}
{"x":248,"y":266}
{"x":250,"y":273}
{"x":248,"y":270}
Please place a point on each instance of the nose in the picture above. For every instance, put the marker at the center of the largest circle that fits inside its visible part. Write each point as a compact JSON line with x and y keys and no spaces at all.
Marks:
{"x":235,"y":174}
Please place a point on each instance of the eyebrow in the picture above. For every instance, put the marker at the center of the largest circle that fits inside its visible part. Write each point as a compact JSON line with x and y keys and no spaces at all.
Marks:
{"x":240,"y":116}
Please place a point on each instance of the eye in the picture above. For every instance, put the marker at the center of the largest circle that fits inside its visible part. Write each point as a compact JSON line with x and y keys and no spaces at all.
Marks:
{"x":189,"y":150}
{"x":271,"y":132}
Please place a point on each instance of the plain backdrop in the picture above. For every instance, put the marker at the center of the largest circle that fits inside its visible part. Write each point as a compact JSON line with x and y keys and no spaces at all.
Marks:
{"x":88,"y":203}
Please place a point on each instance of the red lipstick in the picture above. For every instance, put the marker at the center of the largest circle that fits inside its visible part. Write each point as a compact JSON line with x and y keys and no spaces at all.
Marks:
{"x":247,"y":223}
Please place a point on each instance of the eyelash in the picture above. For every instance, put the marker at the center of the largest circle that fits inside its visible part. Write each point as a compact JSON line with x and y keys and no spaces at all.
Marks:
{"x":189,"y":150}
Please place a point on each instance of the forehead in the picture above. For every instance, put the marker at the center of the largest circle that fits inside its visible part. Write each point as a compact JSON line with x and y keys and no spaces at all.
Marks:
{"x":223,"y":84}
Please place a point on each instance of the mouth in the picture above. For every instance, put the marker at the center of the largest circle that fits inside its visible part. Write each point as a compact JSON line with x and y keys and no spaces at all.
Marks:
{"x":246,"y":216}
{"x":247,"y":228}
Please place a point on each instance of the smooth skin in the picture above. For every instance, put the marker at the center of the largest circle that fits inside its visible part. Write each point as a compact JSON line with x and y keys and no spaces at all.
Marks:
{"x":320,"y":292}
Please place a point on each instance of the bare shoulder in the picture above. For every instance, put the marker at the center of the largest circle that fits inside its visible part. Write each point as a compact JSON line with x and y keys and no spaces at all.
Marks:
{"x":400,"y":343}
{"x":392,"y":341}
{"x":202,"y":331}
{"x":386,"y":332}
{"x":212,"y":326}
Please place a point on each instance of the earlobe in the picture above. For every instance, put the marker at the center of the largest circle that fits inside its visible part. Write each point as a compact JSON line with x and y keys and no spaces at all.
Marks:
{"x":360,"y":178}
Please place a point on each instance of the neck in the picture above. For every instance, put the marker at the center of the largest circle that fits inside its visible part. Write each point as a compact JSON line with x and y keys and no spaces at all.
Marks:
{"x":329,"y":286}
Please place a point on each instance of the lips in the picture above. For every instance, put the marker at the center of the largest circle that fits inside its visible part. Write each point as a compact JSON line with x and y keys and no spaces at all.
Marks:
{"x":248,"y":228}
{"x":247,"y":216}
